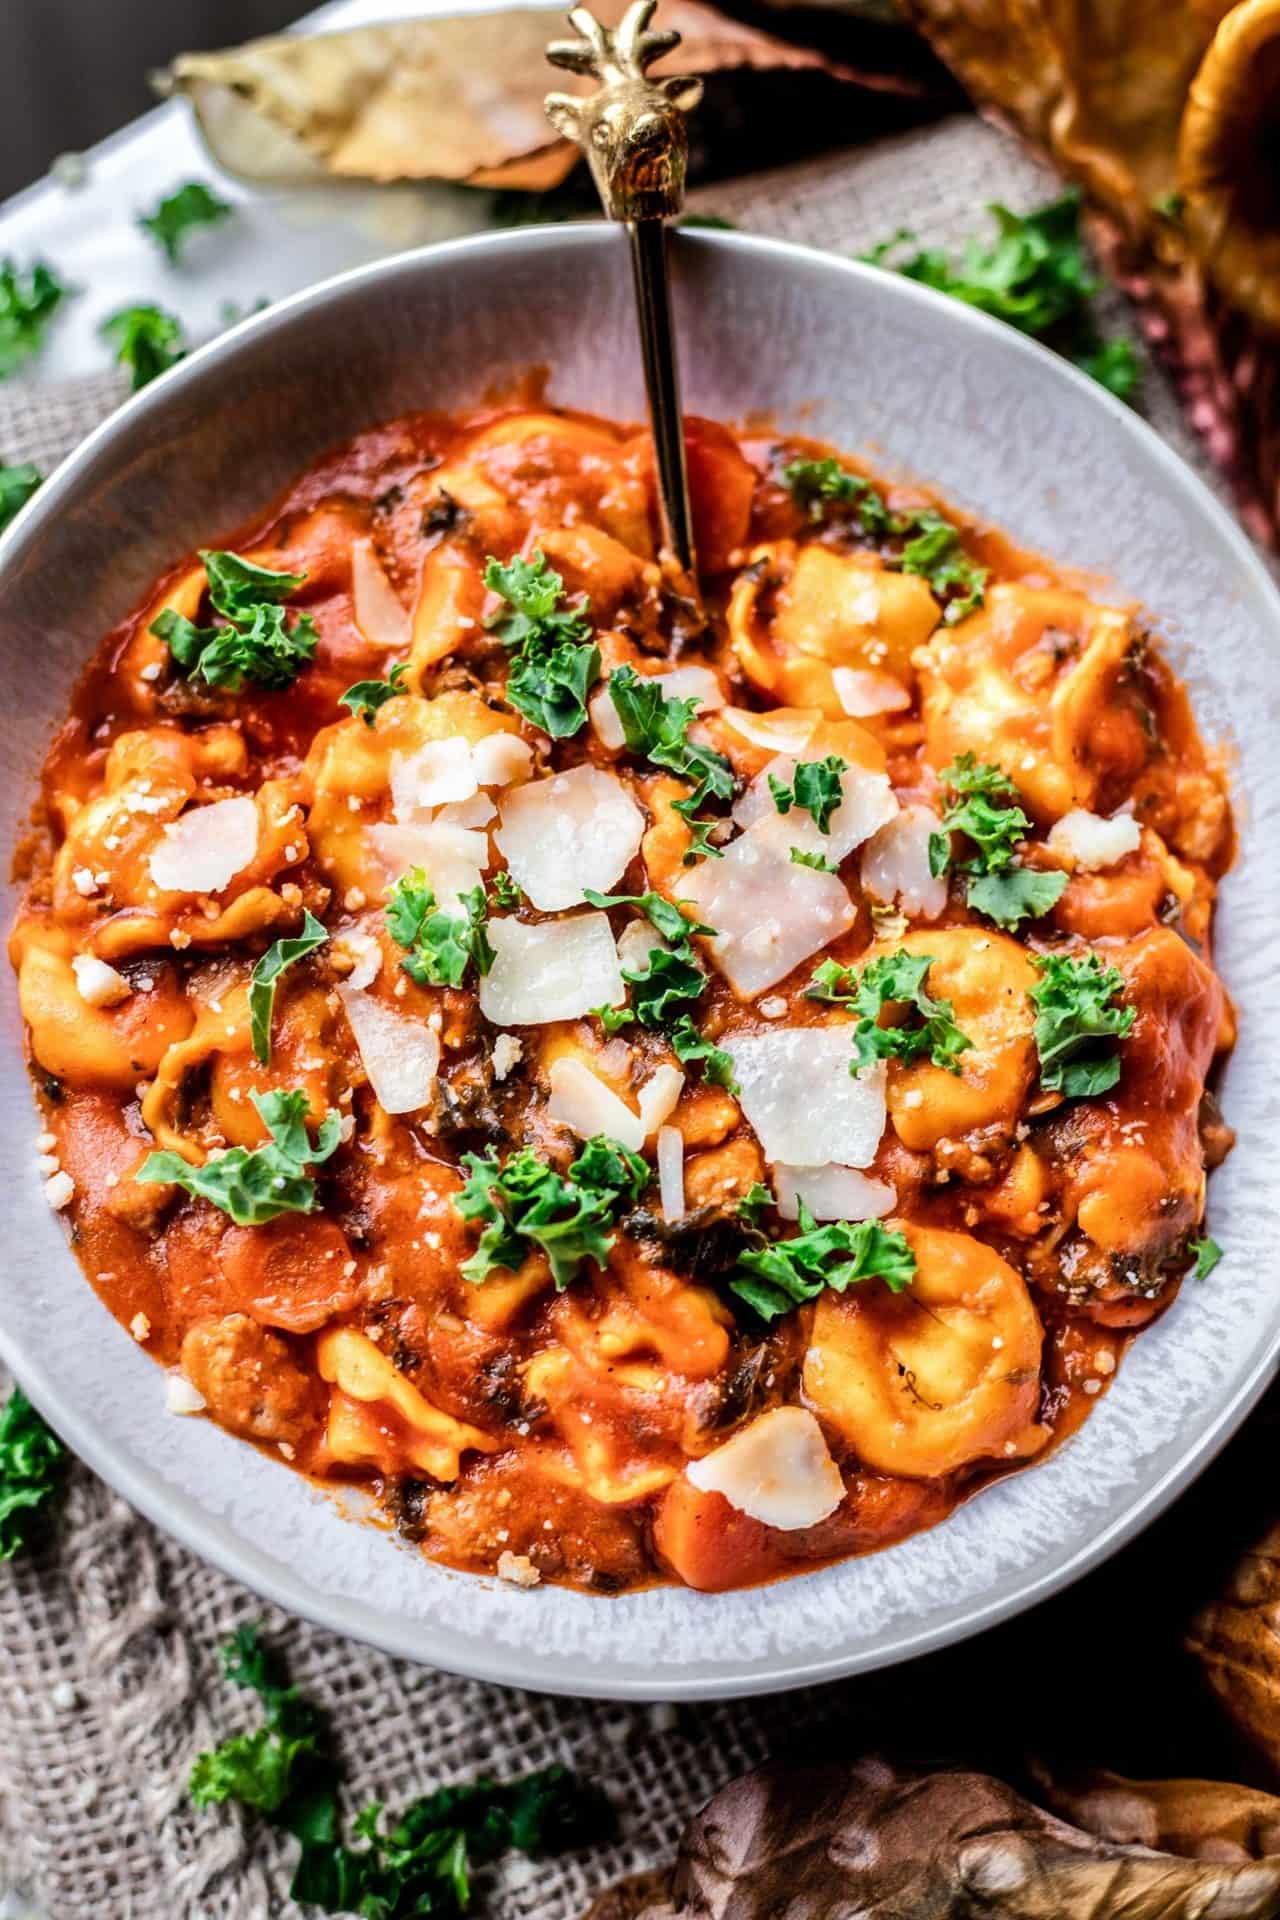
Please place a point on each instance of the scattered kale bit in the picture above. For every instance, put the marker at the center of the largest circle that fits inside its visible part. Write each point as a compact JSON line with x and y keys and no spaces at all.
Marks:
{"x":1076,"y":1024}
{"x":933,"y":548}
{"x":442,"y":942}
{"x":507,"y":892}
{"x":148,"y":341}
{"x":255,"y":644}
{"x":415,"y":1867}
{"x":1035,"y":276}
{"x":266,"y":976}
{"x":661,"y":913}
{"x":1023,"y":893}
{"x":259,"y":1768}
{"x":892,"y":980}
{"x":254,"y":1187}
{"x":32,"y":1462}
{"x":774,"y":1279}
{"x":818,"y":861}
{"x":716,"y":222}
{"x":27,"y":305}
{"x":368,"y":697}
{"x":179,"y":213}
{"x":689,"y":1046}
{"x":662,"y":990}
{"x":998,"y":885}
{"x":526,"y":1203}
{"x":755,"y":1201}
{"x":658,"y":728}
{"x":17,"y":484}
{"x":1206,"y":1252}
{"x":936,"y":554}
{"x":815,"y":787}
{"x":555,"y":661}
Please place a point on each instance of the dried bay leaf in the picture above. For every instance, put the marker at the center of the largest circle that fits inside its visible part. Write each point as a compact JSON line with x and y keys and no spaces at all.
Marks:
{"x":455,"y":98}
{"x":889,"y":1844}
{"x":1236,"y":1641}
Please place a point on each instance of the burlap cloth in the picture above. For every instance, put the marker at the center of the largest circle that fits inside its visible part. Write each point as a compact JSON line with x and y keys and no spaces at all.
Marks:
{"x":109,"y":1681}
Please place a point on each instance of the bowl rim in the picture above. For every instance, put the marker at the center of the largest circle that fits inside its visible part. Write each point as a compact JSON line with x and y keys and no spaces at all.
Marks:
{"x":198,"y":1528}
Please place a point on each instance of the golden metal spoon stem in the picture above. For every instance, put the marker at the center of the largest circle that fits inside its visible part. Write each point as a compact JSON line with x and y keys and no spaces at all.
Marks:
{"x":632,"y":132}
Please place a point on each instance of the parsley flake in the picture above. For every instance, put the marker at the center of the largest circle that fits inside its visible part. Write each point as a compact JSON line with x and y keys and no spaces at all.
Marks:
{"x":368,"y":697}
{"x":148,"y":341}
{"x":936,"y":554}
{"x":180,"y":213}
{"x":266,"y":977}
{"x":820,"y":485}
{"x":443,"y":942}
{"x":32,"y":1462}
{"x":755,"y":1201}
{"x":1076,"y":1023}
{"x":525,"y":1203}
{"x":555,"y":661}
{"x":774,"y":1279}
{"x":932,"y":547}
{"x":893,"y":980}
{"x":818,"y":861}
{"x":507,"y":891}
{"x":254,"y":1187}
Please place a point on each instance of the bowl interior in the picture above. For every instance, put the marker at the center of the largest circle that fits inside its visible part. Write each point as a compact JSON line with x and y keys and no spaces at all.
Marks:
{"x":875,"y":365}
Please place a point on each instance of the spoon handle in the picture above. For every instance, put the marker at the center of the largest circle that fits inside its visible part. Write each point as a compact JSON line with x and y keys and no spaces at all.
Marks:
{"x":662,"y":385}
{"x":632,"y":131}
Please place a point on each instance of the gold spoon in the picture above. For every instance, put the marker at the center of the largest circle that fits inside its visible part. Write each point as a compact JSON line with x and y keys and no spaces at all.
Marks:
{"x":632,"y":132}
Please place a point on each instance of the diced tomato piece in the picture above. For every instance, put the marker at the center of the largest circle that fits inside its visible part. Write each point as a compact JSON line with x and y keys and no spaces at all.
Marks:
{"x":721,"y":487}
{"x":710,"y":1545}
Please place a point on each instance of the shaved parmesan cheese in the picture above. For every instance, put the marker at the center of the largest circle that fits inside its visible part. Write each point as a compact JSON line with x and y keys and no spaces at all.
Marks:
{"x":799,"y":1095}
{"x":777,"y":1471}
{"x":378,"y":612}
{"x":206,"y":847}
{"x":401,"y":1056}
{"x":638,"y":939}
{"x":438,"y":772}
{"x":658,"y":1097}
{"x":506,"y":1052}
{"x":867,"y":804}
{"x":769,"y":913}
{"x":500,"y":758}
{"x":364,"y":953}
{"x":1092,"y":841}
{"x":682,"y":683}
{"x":555,"y":971}
{"x":895,"y":863}
{"x":581,"y":1101}
{"x":863,"y":692}
{"x":671,"y":1173}
{"x":478,"y":811}
{"x":785,"y":730}
{"x":454,"y":858}
{"x":180,"y":1396}
{"x":831,"y":1193}
{"x":98,"y":984}
{"x":578,"y":829}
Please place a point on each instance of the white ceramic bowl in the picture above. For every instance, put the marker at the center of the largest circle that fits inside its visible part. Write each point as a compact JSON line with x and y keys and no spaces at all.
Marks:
{"x":872,"y":363}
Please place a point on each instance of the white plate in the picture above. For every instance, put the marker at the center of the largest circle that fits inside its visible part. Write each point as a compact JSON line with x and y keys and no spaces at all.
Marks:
{"x":925,"y":387}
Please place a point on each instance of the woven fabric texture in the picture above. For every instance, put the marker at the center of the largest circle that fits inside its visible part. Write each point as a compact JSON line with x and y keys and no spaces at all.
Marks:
{"x":109,"y":1681}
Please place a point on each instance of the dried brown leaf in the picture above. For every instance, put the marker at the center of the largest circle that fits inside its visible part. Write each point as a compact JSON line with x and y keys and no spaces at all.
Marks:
{"x":888,"y":1844}
{"x":453,"y":98}
{"x":1201,"y":1819}
{"x":1236,"y":1640}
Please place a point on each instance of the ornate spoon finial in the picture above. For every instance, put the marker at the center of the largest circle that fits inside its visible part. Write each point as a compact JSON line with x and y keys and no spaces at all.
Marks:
{"x":633,"y":133}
